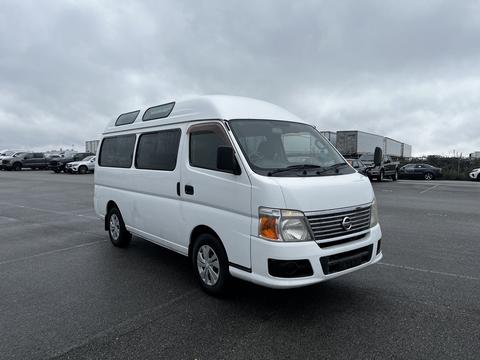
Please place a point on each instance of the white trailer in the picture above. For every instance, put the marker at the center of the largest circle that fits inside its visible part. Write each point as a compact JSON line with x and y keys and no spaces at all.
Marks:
{"x":392,"y":147}
{"x":355,"y":143}
{"x":406,"y":151}
{"x":331,"y":136}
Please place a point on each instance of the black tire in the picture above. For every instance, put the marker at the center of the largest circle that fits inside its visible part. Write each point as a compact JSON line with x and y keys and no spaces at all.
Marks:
{"x":119,"y":236}
{"x":214,"y":248}
{"x":478,"y":177}
{"x":428,"y":176}
{"x":17,"y":166}
{"x":395,"y":176}
{"x":82,"y":170}
{"x":56,"y":171}
{"x":381,"y":176}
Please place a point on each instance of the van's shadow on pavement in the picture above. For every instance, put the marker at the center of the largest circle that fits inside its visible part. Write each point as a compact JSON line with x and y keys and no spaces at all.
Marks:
{"x":328,"y":297}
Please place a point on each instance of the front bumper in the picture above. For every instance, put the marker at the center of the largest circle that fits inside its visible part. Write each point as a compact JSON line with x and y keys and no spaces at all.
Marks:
{"x":263,"y":250}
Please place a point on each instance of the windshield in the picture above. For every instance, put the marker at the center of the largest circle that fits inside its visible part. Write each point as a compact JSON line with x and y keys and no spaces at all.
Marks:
{"x":88,"y":158}
{"x":7,"y":153}
{"x":281,"y":148}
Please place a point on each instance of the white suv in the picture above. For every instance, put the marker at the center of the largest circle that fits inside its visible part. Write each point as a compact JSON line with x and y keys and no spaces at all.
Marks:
{"x":82,"y":167}
{"x":474,"y":174}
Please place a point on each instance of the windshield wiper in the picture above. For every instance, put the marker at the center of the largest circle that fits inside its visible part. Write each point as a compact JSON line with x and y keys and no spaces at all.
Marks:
{"x":293,"y":167}
{"x":332,"y":167}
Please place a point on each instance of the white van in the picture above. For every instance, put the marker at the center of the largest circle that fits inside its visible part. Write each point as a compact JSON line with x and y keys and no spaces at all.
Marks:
{"x":242,"y":187}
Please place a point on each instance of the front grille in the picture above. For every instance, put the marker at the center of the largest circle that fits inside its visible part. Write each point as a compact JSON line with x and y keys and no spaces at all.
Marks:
{"x":53,"y":163}
{"x":326,"y":244}
{"x":347,"y":260}
{"x":327,"y":225}
{"x":4,"y":162}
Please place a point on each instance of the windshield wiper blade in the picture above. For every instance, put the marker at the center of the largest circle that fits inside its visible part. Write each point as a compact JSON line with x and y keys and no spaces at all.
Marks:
{"x":294,"y":167}
{"x":333,"y":167}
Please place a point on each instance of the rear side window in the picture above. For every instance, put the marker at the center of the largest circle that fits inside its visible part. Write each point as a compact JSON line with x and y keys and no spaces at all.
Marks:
{"x":117,"y":151}
{"x":204,"y":142}
{"x":158,"y":112}
{"x":127,"y":118}
{"x":158,"y":150}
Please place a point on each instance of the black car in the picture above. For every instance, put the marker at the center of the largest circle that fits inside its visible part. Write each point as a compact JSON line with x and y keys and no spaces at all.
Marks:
{"x":358,"y":165}
{"x":420,"y":171}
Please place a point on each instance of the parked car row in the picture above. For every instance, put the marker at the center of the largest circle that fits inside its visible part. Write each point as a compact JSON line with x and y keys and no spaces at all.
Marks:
{"x":66,"y":162}
{"x":390,"y":168}
{"x":59,"y":164}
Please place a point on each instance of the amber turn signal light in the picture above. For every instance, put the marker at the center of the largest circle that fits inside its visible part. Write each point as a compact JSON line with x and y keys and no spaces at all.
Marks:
{"x":268,"y":227}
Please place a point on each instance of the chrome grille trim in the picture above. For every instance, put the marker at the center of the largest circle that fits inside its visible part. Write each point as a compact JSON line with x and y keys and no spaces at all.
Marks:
{"x":327,"y":224}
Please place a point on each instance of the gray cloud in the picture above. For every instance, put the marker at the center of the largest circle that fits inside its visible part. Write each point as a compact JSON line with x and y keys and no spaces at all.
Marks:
{"x":406,"y":70}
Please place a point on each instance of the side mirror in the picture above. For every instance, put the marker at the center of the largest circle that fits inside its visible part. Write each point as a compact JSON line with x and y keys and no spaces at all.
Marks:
{"x":226,"y":160}
{"x":377,"y":156}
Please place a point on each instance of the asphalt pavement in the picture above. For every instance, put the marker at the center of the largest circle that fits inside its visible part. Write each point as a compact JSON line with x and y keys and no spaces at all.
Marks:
{"x":66,"y":293}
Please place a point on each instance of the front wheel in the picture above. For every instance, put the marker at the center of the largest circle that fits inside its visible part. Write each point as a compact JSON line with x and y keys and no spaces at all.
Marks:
{"x":82,"y":170}
{"x":119,"y":236}
{"x":210,"y":264}
{"x":17,"y":167}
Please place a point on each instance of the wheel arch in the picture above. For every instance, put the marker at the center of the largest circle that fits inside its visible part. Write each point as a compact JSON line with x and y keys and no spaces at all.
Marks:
{"x":199,"y":230}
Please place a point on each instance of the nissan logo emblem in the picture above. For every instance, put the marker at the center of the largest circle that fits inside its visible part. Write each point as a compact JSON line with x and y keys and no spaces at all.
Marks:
{"x":347,"y":223}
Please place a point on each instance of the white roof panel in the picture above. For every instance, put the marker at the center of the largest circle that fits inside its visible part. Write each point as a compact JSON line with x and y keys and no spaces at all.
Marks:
{"x":212,"y":107}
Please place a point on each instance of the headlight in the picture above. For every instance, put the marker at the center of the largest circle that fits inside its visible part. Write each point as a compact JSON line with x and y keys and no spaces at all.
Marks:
{"x":283,"y":225}
{"x":374,"y":214}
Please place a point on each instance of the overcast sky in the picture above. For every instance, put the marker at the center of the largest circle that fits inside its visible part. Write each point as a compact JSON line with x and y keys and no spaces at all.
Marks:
{"x":405,"y":69}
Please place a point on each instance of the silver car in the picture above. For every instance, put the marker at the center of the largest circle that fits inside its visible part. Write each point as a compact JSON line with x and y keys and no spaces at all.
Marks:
{"x":81,"y":167}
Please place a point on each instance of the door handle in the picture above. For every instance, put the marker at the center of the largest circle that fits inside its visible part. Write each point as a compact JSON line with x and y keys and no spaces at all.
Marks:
{"x":178,"y":188}
{"x":189,"y":189}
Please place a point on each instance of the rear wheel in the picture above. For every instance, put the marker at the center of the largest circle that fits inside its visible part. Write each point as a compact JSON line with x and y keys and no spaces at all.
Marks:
{"x":210,"y":264}
{"x":381,"y":176}
{"x":395,"y":176}
{"x":428,"y":176}
{"x":119,"y":236}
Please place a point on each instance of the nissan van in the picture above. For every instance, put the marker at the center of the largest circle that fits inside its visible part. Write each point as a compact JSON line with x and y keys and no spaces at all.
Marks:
{"x":242,"y":187}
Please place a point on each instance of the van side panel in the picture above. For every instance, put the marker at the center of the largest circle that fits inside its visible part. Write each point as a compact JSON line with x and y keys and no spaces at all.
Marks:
{"x":114,"y":184}
{"x":147,"y":199}
{"x":220,"y":201}
{"x":156,"y":208}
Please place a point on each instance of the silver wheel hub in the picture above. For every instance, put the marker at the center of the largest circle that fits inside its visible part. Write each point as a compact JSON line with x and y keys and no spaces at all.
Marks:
{"x":114,"y":226}
{"x":208,"y":265}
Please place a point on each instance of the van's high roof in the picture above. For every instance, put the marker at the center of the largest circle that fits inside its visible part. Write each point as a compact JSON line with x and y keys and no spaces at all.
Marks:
{"x":200,"y":108}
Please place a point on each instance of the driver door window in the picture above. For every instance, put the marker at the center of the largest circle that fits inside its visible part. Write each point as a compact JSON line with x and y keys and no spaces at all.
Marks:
{"x":204,"y":142}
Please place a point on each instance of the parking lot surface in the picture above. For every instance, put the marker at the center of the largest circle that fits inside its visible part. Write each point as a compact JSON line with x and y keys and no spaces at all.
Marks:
{"x":66,"y":293}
